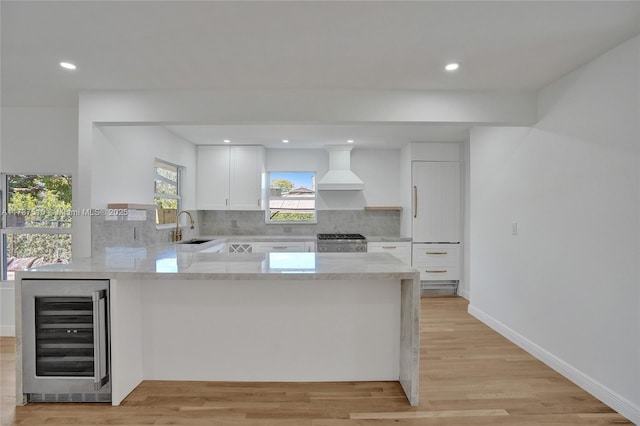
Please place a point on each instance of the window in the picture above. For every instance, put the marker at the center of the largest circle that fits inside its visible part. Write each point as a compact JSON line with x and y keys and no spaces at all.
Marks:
{"x":292,"y":197}
{"x":167,"y":192}
{"x":37,"y":221}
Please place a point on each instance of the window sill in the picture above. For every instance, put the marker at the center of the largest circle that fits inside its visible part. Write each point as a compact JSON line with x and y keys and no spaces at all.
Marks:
{"x":315,"y":222}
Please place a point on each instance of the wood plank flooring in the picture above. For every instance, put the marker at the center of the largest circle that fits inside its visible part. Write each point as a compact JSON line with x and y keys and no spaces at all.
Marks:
{"x":469,"y":375}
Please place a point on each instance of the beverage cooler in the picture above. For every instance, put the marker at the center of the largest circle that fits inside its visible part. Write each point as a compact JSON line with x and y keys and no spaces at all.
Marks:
{"x":65,"y":340}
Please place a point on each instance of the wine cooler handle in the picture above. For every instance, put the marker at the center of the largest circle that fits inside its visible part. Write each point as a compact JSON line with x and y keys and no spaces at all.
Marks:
{"x":100,"y":375}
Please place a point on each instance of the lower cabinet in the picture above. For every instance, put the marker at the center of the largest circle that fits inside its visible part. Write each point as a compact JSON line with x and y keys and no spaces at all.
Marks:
{"x":437,"y":262}
{"x":399,"y":249}
{"x":270,"y":246}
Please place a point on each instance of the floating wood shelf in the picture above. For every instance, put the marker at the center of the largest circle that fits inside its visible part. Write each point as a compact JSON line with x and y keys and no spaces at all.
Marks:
{"x":383,"y":208}
{"x":132,"y":206}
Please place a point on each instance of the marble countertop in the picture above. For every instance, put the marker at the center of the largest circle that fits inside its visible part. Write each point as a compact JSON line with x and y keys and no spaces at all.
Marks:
{"x":174,"y":261}
{"x":383,"y":239}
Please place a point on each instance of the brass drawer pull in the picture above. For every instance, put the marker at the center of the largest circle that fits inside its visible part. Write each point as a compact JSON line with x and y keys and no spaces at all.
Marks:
{"x":436,"y":271}
{"x":436,"y":252}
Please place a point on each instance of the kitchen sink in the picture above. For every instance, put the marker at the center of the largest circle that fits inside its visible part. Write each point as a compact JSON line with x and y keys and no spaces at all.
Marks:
{"x":195,"y":241}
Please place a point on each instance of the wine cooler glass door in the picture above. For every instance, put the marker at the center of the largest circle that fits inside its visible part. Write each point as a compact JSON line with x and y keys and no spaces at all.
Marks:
{"x":65,"y":336}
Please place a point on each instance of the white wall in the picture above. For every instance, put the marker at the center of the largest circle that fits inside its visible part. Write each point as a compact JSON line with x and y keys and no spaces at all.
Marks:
{"x":567,"y":287}
{"x":380,"y":172}
{"x":464,"y":288}
{"x":123,"y":164}
{"x":39,"y":140}
{"x":7,"y":309}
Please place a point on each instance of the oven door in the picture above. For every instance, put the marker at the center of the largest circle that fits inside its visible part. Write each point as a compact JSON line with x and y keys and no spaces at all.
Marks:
{"x":65,"y":342}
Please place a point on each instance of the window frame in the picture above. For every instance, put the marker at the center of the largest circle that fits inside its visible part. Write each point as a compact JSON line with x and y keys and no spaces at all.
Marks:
{"x":5,"y":230}
{"x":178,"y":185}
{"x":269,"y":197}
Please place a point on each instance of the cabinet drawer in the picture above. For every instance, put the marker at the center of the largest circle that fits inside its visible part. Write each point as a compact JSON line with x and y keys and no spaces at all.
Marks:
{"x":436,"y":255}
{"x":400,"y":249}
{"x":439,"y":273}
{"x":297,"y":246}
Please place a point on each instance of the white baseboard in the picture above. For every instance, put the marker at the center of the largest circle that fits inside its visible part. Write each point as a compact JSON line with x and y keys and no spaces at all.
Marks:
{"x":7,"y":331}
{"x":595,"y":388}
{"x":464,"y":293}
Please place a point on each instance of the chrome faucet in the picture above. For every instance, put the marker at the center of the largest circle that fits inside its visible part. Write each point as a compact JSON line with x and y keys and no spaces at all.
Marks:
{"x":176,"y":235}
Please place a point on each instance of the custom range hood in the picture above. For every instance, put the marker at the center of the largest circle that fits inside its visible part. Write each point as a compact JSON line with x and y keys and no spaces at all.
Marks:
{"x":340,"y":177}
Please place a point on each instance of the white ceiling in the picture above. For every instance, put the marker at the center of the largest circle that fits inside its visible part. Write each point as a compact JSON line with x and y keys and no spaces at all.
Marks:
{"x":305,"y":44}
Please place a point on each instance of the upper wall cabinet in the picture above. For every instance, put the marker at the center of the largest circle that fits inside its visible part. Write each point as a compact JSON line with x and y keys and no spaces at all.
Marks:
{"x":436,"y":202}
{"x":229,"y":177}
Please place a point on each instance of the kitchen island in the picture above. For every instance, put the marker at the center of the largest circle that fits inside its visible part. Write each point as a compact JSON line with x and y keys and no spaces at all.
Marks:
{"x":177,"y":313}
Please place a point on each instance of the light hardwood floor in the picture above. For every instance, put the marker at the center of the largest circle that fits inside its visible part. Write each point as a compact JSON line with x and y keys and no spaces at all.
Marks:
{"x":469,"y":375}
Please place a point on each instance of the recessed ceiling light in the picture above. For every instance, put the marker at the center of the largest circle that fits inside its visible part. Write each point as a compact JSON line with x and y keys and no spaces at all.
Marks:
{"x":452,"y":66}
{"x":285,"y":140}
{"x":226,"y":141}
{"x":67,"y":65}
{"x":350,"y":141}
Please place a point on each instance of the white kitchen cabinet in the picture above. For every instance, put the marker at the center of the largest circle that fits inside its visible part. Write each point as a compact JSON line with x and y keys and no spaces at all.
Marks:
{"x":245,"y":184}
{"x":437,"y":262}
{"x":436,"y":201}
{"x":399,"y":249}
{"x":212,"y":178}
{"x":229,"y":177}
{"x":279,"y":246}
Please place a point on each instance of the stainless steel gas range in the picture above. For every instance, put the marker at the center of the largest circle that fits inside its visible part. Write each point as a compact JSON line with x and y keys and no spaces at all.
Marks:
{"x":334,"y":243}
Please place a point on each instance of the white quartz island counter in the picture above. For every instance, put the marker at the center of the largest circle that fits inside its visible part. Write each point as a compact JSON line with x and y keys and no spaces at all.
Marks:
{"x":180,"y":314}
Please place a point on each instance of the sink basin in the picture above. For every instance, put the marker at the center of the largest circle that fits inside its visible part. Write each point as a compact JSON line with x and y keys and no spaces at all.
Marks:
{"x":195,"y":241}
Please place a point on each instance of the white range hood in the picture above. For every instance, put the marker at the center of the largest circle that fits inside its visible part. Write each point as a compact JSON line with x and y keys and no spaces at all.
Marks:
{"x":340,"y":177}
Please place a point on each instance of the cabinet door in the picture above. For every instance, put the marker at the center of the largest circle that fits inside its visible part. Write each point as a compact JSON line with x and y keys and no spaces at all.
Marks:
{"x":436,"y":202}
{"x":247,"y":165}
{"x":212,"y":182}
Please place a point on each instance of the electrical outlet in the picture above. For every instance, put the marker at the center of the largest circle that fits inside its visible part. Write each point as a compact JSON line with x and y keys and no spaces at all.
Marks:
{"x":514,"y":228}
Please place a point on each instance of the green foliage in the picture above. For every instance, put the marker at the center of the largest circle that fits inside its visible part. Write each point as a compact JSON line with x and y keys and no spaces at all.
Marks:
{"x":42,"y":202}
{"x":51,"y":247}
{"x":39,"y":184}
{"x":166,"y":203}
{"x":277,"y":216}
{"x":286,"y":185}
{"x":43,"y":211}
